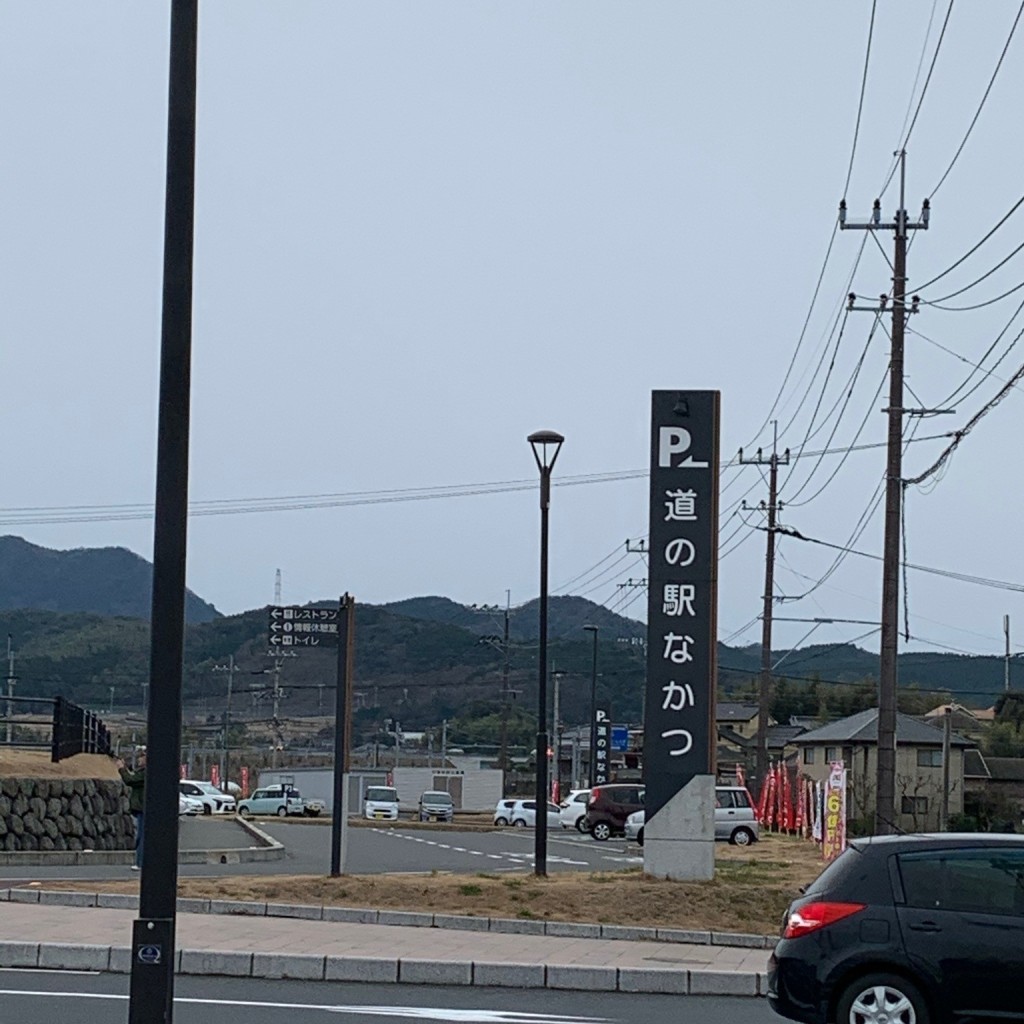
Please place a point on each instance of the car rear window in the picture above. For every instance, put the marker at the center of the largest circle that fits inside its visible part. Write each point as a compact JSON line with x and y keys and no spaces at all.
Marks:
{"x":834,"y":873}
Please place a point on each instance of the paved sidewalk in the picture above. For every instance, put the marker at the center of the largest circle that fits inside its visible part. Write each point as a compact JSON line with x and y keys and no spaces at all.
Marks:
{"x":98,"y":938}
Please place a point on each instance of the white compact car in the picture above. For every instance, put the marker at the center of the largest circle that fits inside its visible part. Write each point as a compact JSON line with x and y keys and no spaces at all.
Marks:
{"x":573,"y":812}
{"x":381,"y":803}
{"x":189,"y":805}
{"x":523,"y":814}
{"x":213,"y":800}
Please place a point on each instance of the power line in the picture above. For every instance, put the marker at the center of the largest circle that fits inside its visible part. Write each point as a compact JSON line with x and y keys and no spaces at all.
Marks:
{"x":959,"y":394}
{"x":981,"y":581}
{"x":977,"y":113}
{"x":924,"y":88}
{"x":967,"y":287}
{"x":970,"y":252}
{"x":978,"y":305}
{"x":967,"y":428}
{"x":860,"y":102}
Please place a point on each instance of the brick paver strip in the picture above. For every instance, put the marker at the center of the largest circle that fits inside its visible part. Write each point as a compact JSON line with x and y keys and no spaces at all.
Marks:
{"x":210,"y":937}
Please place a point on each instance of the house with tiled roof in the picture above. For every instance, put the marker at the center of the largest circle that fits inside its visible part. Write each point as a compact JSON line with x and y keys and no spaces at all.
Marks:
{"x":919,"y":773}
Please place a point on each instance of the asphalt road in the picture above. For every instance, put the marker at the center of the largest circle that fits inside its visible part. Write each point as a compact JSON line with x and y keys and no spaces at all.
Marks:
{"x":41,"y":997}
{"x":379,"y":850}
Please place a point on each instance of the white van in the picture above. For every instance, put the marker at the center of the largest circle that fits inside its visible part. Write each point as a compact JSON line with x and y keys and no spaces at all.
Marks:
{"x":735,"y":818}
{"x":381,"y":803}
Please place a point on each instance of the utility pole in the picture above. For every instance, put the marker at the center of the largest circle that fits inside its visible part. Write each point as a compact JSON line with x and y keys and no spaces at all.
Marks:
{"x":225,"y":765}
{"x":772,"y":508}
{"x":885,"y":807}
{"x":11,"y":680}
{"x":444,"y":742}
{"x":111,"y":708}
{"x":947,"y":728}
{"x":1006,"y":665}
{"x":505,"y":695}
{"x":557,"y":731}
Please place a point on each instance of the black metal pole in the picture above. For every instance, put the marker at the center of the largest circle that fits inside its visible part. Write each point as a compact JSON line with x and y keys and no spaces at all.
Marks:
{"x":152,"y":964}
{"x":341,"y":720}
{"x":593,"y":706}
{"x":540,"y":831}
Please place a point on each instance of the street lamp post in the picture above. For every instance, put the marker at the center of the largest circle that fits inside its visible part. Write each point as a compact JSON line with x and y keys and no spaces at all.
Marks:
{"x":593,"y":705}
{"x":546,"y":445}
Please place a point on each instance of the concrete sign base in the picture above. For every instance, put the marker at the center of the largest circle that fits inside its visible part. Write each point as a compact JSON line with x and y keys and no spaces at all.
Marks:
{"x":679,"y":841}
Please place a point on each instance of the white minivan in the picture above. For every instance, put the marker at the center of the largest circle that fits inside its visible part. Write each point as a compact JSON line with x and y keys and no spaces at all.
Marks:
{"x":381,"y":803}
{"x":735,"y":818}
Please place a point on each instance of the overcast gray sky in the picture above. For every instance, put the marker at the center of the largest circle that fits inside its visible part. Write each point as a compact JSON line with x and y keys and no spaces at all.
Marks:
{"x":424,"y":230}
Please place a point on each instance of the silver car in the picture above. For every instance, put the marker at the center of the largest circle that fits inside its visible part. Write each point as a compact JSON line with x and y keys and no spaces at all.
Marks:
{"x":735,"y":818}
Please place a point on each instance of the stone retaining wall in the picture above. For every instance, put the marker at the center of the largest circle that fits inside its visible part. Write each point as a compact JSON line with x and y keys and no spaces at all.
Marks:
{"x":64,"y":814}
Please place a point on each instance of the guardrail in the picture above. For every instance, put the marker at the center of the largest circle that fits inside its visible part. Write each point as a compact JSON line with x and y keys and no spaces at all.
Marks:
{"x":72,"y":729}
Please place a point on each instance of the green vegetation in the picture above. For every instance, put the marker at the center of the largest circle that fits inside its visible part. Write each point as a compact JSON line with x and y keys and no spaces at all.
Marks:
{"x":419,"y":661}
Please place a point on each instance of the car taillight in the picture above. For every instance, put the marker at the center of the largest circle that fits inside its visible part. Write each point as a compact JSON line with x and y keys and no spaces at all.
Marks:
{"x":594,"y":794}
{"x":812,"y":916}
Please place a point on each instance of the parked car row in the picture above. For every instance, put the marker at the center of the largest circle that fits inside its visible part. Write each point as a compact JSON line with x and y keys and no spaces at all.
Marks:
{"x":380,"y":803}
{"x":616,"y":809}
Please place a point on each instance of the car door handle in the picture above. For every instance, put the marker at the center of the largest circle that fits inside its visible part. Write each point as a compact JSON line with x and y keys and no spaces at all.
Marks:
{"x":926,"y":926}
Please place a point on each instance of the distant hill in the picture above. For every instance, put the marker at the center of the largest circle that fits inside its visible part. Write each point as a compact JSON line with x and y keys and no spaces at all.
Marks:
{"x":566,"y":617}
{"x":101,"y":581}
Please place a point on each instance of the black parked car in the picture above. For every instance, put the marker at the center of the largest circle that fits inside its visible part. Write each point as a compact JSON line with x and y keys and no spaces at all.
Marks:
{"x":916,"y":929}
{"x":608,"y":807}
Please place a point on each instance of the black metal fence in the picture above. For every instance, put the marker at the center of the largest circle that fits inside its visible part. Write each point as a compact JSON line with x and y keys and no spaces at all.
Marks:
{"x":54,"y":724}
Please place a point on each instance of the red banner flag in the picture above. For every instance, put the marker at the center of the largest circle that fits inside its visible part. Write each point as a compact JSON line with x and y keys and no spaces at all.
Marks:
{"x":215,"y":776}
{"x":243,"y":774}
{"x":762,"y":804}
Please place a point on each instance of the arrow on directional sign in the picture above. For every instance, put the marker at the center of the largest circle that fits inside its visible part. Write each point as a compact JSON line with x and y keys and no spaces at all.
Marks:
{"x":276,"y":613}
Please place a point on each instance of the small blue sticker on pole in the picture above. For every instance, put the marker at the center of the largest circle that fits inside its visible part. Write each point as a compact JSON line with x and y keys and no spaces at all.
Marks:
{"x":150,"y":954}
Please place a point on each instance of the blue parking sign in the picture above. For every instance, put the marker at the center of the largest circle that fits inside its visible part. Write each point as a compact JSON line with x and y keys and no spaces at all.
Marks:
{"x":620,"y":737}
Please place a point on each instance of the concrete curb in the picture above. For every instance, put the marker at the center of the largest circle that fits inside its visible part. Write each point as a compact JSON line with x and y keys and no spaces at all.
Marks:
{"x":405,"y":918}
{"x":408,"y":970}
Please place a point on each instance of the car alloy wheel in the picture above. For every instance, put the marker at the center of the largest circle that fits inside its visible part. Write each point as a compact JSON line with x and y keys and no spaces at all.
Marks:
{"x":282,"y":812}
{"x":207,"y":809}
{"x":501,"y":821}
{"x":881,"y":997}
{"x":244,"y":812}
{"x":519,"y":823}
{"x":581,"y":824}
{"x":601,"y":831}
{"x":742,"y":837}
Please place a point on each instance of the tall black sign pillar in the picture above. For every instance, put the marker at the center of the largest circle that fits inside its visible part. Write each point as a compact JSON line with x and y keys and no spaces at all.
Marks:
{"x":679,"y":723}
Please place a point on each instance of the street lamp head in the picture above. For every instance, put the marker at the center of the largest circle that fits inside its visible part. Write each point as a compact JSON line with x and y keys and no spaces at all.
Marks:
{"x":592,"y":629}
{"x":546,"y":445}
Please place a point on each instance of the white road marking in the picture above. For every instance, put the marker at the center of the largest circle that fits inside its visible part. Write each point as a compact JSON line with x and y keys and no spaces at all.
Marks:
{"x":408,"y":1012}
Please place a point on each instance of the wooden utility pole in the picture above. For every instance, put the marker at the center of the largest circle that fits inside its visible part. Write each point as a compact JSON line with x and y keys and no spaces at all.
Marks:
{"x":771,"y":509}
{"x":947,"y":729}
{"x":885,"y":806}
{"x":506,"y":697}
